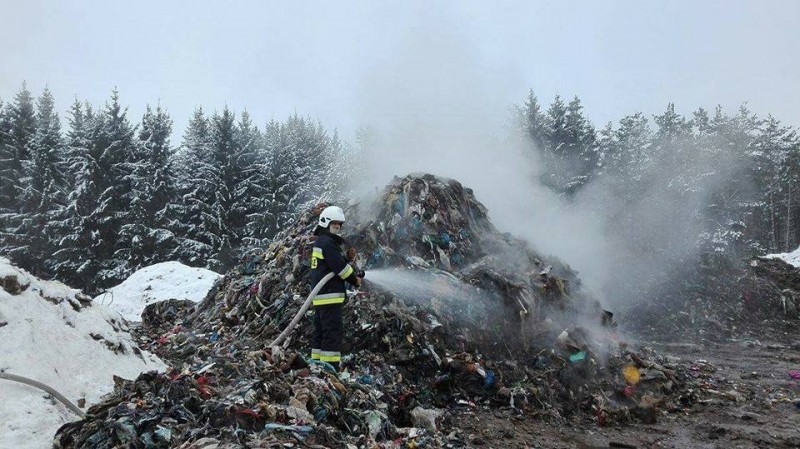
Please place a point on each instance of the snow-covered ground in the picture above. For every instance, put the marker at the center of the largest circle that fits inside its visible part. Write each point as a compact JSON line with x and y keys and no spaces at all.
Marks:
{"x":159,"y":282}
{"x":55,"y":335}
{"x":792,"y":258}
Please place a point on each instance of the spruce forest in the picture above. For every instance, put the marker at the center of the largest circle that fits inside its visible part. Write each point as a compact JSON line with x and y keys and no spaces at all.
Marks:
{"x":91,"y":197}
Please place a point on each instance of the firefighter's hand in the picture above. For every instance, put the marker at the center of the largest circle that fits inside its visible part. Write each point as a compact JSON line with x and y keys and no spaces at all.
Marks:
{"x":351,"y":254}
{"x":357,"y":283}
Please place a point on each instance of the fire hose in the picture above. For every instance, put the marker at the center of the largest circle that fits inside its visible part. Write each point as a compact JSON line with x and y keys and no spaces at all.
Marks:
{"x":306,"y":305}
{"x":75,"y":409}
{"x":33,"y":383}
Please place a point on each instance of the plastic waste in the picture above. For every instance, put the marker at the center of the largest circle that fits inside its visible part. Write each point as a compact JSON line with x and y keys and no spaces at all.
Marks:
{"x":366,"y":379}
{"x":631,"y":374}
{"x":275,"y":426}
{"x":490,"y":379}
{"x":165,"y":434}
{"x":374,"y":421}
{"x":425,"y":418}
{"x":628,"y":391}
{"x":324,"y":365}
{"x":577,"y":357}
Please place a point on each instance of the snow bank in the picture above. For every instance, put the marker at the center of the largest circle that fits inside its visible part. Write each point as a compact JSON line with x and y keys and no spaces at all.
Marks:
{"x":58,"y":336}
{"x":159,"y":282}
{"x":792,"y":258}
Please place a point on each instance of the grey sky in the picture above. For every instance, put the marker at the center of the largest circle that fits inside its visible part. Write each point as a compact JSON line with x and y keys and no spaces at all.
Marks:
{"x":336,"y":60}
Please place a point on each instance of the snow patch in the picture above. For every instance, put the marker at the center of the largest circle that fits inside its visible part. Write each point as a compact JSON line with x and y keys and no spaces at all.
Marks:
{"x":792,"y":258}
{"x":56,"y":335}
{"x":159,"y":282}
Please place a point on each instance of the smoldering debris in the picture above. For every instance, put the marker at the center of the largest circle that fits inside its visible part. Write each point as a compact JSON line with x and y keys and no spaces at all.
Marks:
{"x":496,"y":326}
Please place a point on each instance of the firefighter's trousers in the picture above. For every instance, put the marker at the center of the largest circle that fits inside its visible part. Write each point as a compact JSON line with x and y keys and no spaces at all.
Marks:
{"x":326,"y":342}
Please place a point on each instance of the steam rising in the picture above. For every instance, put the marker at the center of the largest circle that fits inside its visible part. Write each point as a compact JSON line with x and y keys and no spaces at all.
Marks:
{"x":434,"y":107}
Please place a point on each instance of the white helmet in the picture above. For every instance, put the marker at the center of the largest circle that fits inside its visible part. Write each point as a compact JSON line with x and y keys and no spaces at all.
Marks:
{"x":329,"y":214}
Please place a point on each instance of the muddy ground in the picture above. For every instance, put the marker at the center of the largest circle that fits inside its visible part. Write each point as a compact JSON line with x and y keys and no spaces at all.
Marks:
{"x":754,"y":364}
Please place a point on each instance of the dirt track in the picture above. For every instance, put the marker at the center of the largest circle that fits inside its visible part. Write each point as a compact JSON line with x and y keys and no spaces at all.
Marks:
{"x":764,"y":413}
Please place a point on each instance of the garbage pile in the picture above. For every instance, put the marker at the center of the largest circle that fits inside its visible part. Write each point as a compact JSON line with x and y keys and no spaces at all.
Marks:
{"x":722,"y":301}
{"x":772,"y":289}
{"x":464,"y":319}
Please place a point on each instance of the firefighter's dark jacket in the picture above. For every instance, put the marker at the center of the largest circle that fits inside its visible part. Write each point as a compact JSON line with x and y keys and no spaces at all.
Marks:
{"x":326,"y":256}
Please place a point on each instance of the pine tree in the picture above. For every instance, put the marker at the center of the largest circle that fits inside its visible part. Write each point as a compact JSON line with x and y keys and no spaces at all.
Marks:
{"x":101,"y":155}
{"x":45,"y":193}
{"x":7,"y":175}
{"x":303,"y":166}
{"x":776,"y":176}
{"x":195,"y":191}
{"x":238,"y":194}
{"x":299,"y":165}
{"x":554,"y":173}
{"x":218,"y":192}
{"x":581,"y":147}
{"x":75,"y":261}
{"x":23,"y":126}
{"x":633,"y":160}
{"x":626,"y":166}
{"x":532,"y":122}
{"x":113,"y":143}
{"x":673,"y":149}
{"x":16,"y":178}
{"x":557,"y":134}
{"x":343,"y":164}
{"x":720,"y":174}
{"x":277,"y":166}
{"x":673,"y":134}
{"x":607,"y":148}
{"x":222,"y":222}
{"x":145,"y":238}
{"x":571,"y":155}
{"x":251,"y":190}
{"x":791,"y":181}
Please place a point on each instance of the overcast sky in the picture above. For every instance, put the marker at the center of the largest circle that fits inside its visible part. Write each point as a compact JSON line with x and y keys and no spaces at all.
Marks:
{"x":346,"y":62}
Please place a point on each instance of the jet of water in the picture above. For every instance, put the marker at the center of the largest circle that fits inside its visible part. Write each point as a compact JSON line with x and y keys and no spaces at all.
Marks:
{"x":420,"y":285}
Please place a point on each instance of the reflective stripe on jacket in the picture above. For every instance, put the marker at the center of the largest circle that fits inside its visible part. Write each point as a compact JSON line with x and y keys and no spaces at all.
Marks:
{"x":328,"y":256}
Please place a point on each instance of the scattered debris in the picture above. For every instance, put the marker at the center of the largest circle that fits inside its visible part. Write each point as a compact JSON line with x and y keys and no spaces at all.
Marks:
{"x":720,"y":302}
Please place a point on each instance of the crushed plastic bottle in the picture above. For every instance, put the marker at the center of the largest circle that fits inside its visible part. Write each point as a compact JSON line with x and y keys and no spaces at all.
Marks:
{"x":490,"y":379}
{"x":577,"y":357}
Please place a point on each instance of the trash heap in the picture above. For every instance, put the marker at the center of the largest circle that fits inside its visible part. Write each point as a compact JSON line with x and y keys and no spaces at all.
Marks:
{"x":716,"y":302}
{"x":484,"y":324}
{"x":772,"y":289}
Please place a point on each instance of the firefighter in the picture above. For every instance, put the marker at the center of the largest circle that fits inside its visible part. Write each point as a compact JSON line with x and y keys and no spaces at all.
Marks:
{"x":328,"y":256}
